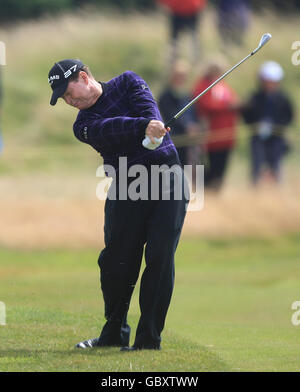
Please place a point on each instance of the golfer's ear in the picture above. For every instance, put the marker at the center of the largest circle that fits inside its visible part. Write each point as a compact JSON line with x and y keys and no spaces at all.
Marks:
{"x":84,"y":76}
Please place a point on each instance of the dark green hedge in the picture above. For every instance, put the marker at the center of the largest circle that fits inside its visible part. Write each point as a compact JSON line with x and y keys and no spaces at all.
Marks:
{"x":11,"y":10}
{"x":19,"y":9}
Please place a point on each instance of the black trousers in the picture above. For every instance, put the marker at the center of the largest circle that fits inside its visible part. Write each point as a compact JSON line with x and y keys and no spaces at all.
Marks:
{"x":129,"y":225}
{"x":180,"y":23}
{"x":217,"y":165}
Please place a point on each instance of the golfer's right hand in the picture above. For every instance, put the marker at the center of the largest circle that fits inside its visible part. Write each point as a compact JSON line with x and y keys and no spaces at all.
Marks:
{"x":156,"y":129}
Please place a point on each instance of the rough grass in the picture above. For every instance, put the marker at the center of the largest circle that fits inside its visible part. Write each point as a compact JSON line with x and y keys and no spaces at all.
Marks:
{"x":42,"y":161}
{"x":231,"y":310}
{"x":47,"y":211}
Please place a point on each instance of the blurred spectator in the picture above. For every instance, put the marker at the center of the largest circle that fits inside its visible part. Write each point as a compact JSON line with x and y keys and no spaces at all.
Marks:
{"x":184,"y":15}
{"x":172,"y":99}
{"x":233,"y":20}
{"x":218,"y":107}
{"x":269,"y":111}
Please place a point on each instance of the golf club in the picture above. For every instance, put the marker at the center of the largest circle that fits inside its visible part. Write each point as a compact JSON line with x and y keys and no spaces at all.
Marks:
{"x":147,"y":143}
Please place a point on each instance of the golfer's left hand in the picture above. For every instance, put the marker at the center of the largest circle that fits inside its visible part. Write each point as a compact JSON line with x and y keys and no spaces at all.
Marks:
{"x":156,"y":129}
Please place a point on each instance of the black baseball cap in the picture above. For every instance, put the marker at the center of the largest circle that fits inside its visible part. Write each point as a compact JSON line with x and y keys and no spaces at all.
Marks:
{"x":59,"y":75}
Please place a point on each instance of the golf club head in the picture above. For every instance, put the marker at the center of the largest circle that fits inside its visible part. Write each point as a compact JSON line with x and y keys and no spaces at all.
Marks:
{"x":264,"y":39}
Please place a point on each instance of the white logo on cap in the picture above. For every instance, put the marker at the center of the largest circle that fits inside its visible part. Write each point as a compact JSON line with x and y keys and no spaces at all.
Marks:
{"x":70,"y":70}
{"x":52,"y":78}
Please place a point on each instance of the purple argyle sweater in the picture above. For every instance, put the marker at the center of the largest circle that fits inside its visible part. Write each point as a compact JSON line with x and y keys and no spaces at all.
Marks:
{"x":115,"y":125}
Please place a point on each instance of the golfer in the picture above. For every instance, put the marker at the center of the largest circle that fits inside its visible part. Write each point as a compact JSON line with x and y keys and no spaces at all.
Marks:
{"x":114,"y":118}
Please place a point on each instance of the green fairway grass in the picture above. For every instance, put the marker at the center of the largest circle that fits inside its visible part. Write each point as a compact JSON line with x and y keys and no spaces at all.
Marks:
{"x":231,"y":310}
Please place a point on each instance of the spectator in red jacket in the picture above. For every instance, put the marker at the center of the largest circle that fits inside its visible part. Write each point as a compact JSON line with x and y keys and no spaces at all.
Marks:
{"x":184,"y":15}
{"x":218,"y":108}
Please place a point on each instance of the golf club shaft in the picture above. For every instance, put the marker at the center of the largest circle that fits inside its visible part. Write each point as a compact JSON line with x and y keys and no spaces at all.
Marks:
{"x":177,"y":115}
{"x":264,"y":39}
{"x":147,"y":142}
